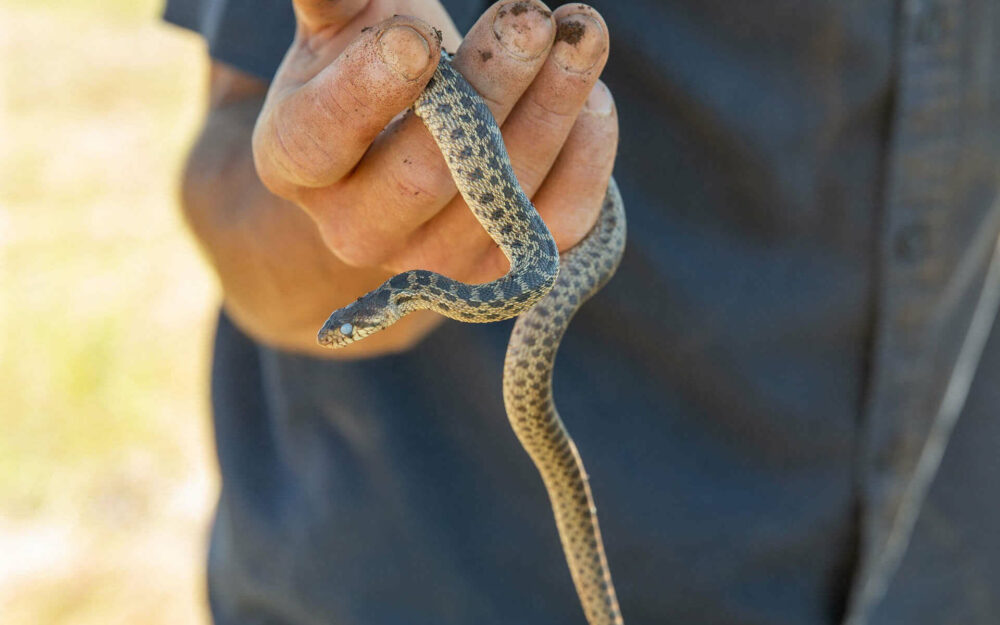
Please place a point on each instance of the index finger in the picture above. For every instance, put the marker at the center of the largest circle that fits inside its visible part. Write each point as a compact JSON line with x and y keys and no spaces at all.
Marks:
{"x":309,"y":135}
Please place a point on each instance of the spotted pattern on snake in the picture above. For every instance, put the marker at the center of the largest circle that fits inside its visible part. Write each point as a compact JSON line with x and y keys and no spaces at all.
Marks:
{"x":527,"y":394}
{"x":473,"y":149}
{"x":471,"y":143}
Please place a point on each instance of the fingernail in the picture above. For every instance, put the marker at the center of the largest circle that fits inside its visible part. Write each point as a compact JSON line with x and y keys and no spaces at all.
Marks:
{"x":523,"y":28}
{"x":599,"y":101}
{"x":579,"y":42}
{"x":405,"y":50}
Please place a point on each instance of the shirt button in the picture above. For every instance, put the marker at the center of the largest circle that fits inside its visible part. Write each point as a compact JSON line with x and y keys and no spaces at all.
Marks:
{"x":913,"y":242}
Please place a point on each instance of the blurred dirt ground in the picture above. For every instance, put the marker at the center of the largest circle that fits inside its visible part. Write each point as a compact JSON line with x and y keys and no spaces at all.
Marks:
{"x":106,"y":470}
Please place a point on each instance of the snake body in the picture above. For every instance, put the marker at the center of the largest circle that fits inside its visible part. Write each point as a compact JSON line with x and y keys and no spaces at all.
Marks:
{"x":548,"y":293}
{"x":473,"y":148}
{"x":527,"y":395}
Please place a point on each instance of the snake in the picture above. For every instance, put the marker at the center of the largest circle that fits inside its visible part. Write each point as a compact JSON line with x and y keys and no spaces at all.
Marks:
{"x":541,"y":288}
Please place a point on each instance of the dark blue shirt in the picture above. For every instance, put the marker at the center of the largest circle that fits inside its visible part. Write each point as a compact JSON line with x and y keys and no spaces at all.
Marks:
{"x":763,"y":396}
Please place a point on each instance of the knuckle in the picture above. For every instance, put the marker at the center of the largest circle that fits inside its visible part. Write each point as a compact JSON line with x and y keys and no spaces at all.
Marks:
{"x":572,"y":223}
{"x":591,"y":169}
{"x":417,"y":184}
{"x":296,"y":151}
{"x":348,"y":231}
{"x":355,"y":246}
{"x":496,"y":99}
{"x":305,"y":137}
{"x":596,"y":123}
{"x":348,"y":105}
{"x":271,"y":168}
{"x":529,"y":172}
{"x":595,"y":137}
{"x":550,"y":116}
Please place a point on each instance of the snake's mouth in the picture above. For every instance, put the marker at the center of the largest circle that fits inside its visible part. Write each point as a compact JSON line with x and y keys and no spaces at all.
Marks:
{"x":337,"y":332}
{"x":334,"y":335}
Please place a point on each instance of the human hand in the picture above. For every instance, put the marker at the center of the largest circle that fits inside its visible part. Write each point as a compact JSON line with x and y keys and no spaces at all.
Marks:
{"x":330,"y":137}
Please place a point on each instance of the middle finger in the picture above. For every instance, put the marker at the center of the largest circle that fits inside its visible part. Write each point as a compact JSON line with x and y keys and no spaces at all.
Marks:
{"x":534,"y":134}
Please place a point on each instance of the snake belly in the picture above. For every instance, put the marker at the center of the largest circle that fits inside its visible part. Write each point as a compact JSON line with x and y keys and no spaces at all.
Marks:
{"x":527,"y":394}
{"x":470,"y":141}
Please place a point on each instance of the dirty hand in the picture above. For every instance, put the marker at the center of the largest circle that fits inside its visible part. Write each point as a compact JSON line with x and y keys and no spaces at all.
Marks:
{"x":331,"y":139}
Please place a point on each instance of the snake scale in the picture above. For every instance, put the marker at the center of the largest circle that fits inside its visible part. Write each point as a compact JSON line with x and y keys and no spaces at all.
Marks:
{"x":543,"y":290}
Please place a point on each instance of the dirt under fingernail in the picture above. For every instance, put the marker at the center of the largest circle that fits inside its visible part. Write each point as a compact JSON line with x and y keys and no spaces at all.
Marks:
{"x":523,"y":28}
{"x":579,"y":43}
{"x":404,"y":50}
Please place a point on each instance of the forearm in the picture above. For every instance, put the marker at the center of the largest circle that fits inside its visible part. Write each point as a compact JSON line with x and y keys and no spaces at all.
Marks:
{"x":278,"y":278}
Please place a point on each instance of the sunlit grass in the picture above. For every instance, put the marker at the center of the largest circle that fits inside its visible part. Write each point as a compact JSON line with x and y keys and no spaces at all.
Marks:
{"x":105,"y":313}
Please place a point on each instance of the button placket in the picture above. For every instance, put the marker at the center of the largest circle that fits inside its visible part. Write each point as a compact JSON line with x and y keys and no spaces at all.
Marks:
{"x":924,"y":156}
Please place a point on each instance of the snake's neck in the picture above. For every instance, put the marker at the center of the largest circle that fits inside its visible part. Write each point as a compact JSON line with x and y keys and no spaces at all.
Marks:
{"x":409,"y":300}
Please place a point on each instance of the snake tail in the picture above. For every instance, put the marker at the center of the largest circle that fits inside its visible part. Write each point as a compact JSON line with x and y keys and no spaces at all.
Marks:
{"x":527,"y":392}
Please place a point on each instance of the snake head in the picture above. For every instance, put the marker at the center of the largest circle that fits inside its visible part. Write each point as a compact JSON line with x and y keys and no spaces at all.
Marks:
{"x":363,"y":317}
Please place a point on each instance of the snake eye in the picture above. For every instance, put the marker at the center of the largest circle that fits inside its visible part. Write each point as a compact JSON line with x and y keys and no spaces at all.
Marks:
{"x":347,"y":329}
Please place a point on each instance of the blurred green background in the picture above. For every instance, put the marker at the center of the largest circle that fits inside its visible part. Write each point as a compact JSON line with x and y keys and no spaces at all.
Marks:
{"x":106,"y":308}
